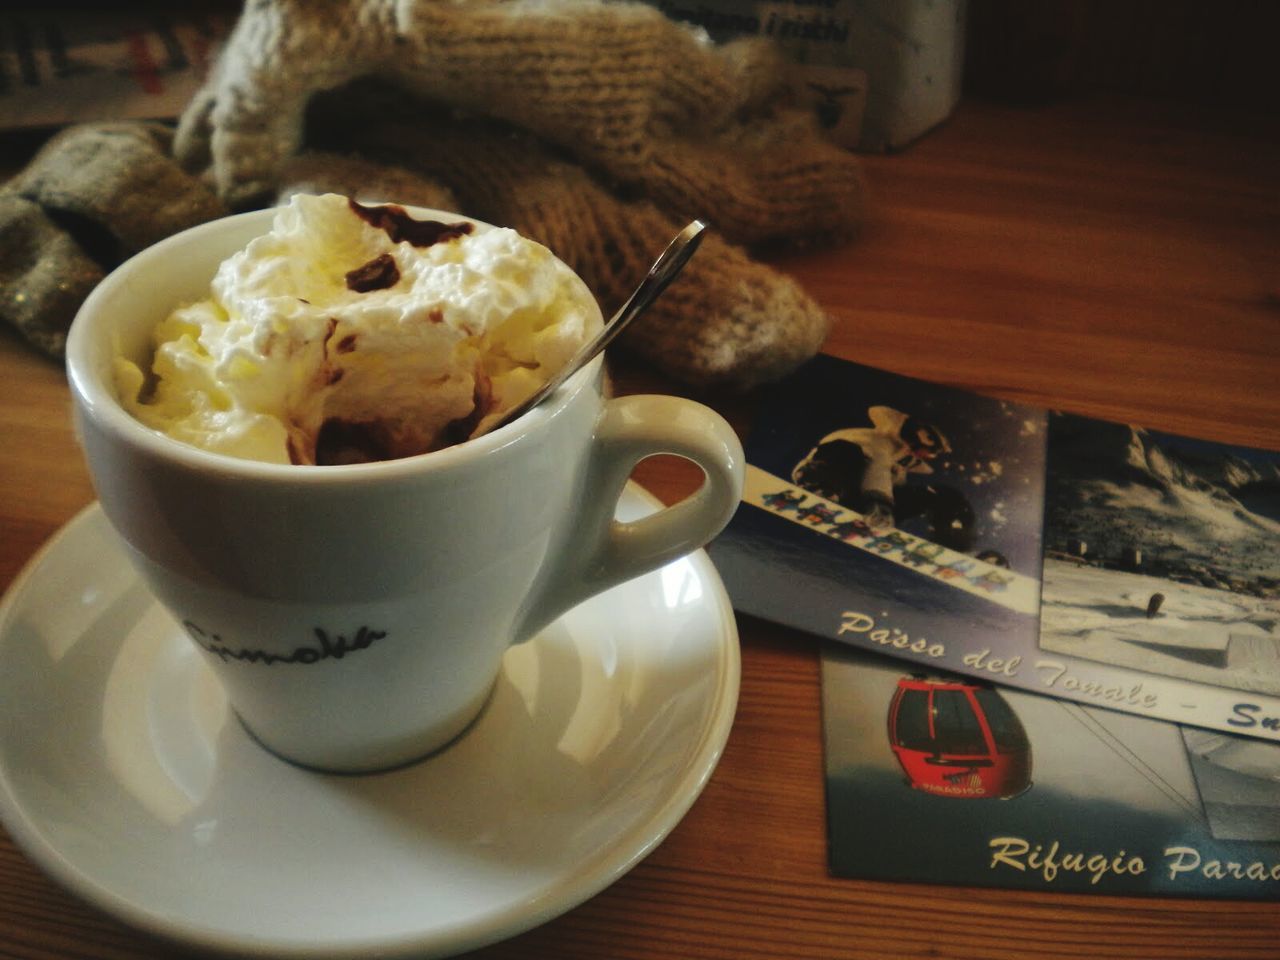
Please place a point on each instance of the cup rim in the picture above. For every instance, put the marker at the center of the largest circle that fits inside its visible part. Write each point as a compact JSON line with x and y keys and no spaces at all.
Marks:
{"x":99,"y":401}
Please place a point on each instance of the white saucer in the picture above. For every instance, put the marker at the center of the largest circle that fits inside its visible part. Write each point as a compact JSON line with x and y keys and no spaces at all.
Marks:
{"x":123,"y":775}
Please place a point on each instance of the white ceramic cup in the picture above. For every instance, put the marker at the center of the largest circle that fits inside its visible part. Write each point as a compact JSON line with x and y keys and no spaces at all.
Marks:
{"x":357,"y":615}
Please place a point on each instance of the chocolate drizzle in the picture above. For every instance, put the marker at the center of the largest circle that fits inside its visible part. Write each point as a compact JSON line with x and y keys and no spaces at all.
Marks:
{"x":349,"y":441}
{"x":401,"y":227}
{"x":460,"y":430}
{"x":378,"y":274}
{"x":296,"y":456}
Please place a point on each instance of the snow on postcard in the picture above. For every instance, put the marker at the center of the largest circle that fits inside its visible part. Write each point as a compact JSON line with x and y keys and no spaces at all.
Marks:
{"x":967,"y":783}
{"x":1162,"y":554}
{"x":1098,"y":562}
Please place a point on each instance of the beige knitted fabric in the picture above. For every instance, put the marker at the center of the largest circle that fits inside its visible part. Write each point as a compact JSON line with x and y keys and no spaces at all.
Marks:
{"x":609,"y":80}
{"x":651,"y":104}
{"x":44,"y":274}
{"x":93,"y":195}
{"x":121,"y":177}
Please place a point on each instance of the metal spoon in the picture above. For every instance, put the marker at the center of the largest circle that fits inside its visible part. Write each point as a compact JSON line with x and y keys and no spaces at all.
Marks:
{"x":664,"y":270}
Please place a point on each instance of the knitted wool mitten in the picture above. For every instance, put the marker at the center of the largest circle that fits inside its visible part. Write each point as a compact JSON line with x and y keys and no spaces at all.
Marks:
{"x":93,"y":195}
{"x":44,"y":274}
{"x":121,"y":177}
{"x":651,"y":103}
{"x":573,"y":71}
{"x":725,"y":321}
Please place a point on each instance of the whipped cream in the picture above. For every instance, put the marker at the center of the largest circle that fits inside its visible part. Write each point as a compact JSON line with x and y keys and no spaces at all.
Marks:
{"x":353,"y":333}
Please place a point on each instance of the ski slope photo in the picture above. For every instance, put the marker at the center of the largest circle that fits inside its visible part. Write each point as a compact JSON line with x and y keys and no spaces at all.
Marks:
{"x":1162,"y":554}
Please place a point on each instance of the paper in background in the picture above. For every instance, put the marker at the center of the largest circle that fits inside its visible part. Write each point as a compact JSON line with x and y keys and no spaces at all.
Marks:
{"x":61,"y":65}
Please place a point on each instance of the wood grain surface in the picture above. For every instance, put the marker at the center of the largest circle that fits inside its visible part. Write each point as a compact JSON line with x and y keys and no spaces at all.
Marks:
{"x":1118,"y":259}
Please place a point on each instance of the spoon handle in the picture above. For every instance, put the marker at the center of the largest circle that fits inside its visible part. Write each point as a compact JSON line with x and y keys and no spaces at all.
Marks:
{"x":665,"y":269}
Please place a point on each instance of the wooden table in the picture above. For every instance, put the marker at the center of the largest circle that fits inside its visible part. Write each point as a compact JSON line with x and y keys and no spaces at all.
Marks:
{"x":1116,"y":259}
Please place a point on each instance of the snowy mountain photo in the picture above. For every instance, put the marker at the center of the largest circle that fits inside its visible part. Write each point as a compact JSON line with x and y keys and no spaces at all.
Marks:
{"x":1162,"y":554}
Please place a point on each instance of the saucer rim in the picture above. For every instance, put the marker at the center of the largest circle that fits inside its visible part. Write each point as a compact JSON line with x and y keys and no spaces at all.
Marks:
{"x":562,"y":894}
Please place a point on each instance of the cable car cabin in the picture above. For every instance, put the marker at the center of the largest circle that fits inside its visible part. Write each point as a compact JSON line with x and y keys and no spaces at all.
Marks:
{"x":958,"y":739}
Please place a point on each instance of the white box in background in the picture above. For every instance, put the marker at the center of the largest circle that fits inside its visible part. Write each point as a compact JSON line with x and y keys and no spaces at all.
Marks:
{"x":877,"y":73}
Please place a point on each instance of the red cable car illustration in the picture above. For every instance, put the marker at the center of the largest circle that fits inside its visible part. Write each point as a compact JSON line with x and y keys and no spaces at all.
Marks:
{"x":958,"y":738}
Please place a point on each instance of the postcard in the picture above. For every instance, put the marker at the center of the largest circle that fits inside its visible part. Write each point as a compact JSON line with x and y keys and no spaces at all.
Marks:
{"x":942,"y":778}
{"x":1098,"y":562}
{"x":1163,"y":555}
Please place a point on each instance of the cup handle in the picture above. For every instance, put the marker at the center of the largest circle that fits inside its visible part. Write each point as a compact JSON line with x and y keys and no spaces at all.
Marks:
{"x":601,"y":551}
